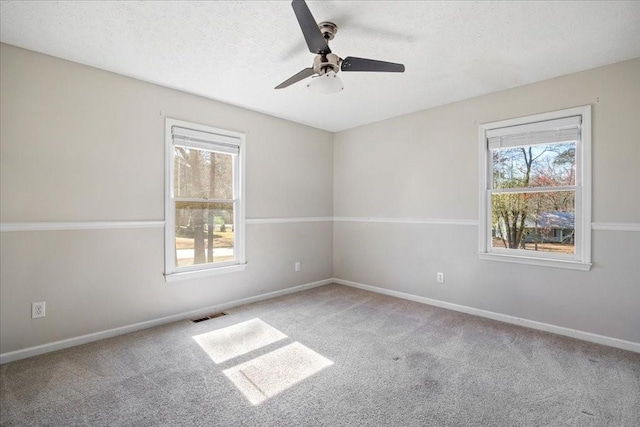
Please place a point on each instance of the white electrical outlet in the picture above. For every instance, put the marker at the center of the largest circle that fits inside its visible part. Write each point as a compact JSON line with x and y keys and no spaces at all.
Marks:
{"x":37,"y":309}
{"x":440,"y":277}
{"x":297,"y":266}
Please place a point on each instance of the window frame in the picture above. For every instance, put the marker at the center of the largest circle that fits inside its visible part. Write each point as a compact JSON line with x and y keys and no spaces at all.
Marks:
{"x":581,"y":259}
{"x":171,"y":271}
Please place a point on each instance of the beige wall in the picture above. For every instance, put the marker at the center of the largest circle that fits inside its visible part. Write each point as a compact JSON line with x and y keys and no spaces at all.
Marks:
{"x":425,"y":166}
{"x":80,"y":144}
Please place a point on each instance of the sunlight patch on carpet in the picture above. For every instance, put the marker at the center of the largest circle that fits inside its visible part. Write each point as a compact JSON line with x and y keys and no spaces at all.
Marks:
{"x":264,"y":377}
{"x":233,"y":341}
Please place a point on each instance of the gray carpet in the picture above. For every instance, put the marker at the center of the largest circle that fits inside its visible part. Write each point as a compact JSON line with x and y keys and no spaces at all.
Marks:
{"x":331,"y":356}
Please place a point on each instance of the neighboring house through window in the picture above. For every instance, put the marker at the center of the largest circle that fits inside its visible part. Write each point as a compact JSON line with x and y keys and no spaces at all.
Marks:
{"x":535,"y":201}
{"x":204,"y":209}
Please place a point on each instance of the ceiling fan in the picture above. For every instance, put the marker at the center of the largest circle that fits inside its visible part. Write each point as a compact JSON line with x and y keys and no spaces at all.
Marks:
{"x":326,"y":64}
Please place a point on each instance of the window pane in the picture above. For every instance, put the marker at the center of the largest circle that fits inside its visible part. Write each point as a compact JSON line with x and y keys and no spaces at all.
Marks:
{"x":204,"y":233}
{"x":545,"y":165}
{"x":202,"y":174}
{"x":542,"y":221}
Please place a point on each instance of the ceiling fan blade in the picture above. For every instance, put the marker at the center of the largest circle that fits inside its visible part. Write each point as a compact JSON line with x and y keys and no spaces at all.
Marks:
{"x":307,"y":72}
{"x":309,"y":26}
{"x":351,"y":63}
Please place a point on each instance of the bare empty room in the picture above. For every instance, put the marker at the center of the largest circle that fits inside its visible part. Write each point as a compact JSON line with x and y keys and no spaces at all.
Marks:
{"x":320,"y":213}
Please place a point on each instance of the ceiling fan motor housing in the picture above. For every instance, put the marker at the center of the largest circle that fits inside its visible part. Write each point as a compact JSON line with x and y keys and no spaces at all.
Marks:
{"x":324,"y":63}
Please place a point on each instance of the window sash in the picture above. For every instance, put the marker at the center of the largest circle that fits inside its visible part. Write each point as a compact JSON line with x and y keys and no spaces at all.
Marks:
{"x":210,"y":147}
{"x":216,"y":264}
{"x":489,"y":248}
{"x":579,"y":159}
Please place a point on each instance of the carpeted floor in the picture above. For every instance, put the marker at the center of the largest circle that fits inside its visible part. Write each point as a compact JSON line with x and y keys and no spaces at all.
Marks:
{"x":330,"y":356}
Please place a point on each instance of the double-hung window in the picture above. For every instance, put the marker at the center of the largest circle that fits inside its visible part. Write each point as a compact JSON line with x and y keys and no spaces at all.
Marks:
{"x":204,"y":203}
{"x":535,"y":199}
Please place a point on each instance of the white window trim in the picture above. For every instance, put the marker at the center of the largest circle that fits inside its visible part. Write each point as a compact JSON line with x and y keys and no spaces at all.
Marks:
{"x":582,"y":259}
{"x":172,"y":273}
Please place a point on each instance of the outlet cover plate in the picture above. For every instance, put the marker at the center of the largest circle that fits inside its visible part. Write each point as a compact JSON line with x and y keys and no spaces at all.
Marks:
{"x":37,"y":309}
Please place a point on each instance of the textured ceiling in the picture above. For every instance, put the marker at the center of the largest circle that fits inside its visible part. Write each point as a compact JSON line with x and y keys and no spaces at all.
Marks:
{"x":238,"y":51}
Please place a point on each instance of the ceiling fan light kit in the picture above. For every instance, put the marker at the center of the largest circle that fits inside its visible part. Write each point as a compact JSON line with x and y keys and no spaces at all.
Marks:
{"x":326,"y":65}
{"x":326,"y":83}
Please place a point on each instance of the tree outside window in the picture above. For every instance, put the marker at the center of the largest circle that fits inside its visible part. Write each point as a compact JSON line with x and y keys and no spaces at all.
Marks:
{"x":531,"y":216}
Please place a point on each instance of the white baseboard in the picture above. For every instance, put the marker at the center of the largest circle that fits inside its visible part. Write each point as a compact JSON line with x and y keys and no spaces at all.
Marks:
{"x":560,"y":330}
{"x":71,"y":342}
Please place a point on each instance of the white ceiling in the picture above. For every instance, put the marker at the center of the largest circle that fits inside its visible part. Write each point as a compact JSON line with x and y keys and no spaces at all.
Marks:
{"x":238,"y":51}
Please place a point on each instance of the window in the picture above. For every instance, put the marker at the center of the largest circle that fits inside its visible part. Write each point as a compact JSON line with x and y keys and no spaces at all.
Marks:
{"x":204,"y":208}
{"x":535,"y":202}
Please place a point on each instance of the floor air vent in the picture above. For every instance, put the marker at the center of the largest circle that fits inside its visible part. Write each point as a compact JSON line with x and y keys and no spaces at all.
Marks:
{"x":209,"y":316}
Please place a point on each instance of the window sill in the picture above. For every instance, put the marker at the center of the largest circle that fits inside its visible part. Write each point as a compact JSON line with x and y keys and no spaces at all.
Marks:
{"x":196,"y":274}
{"x":541,"y":262}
